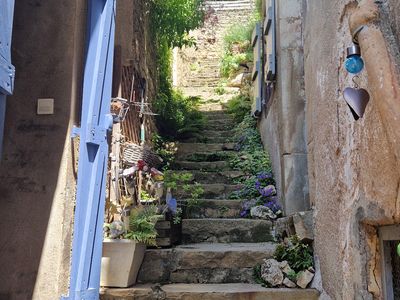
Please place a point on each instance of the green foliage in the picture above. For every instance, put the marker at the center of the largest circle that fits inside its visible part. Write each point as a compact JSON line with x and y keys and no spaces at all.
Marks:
{"x":220,"y":90}
{"x":239,"y":106}
{"x":237,"y":47}
{"x":165,"y":149}
{"x":231,"y":62}
{"x":257,"y":276}
{"x":299,"y":255}
{"x":184,"y":181}
{"x":252,"y":158}
{"x":178,"y":116}
{"x":171,"y":20}
{"x":177,"y":219}
{"x":292,"y":275}
{"x":142,"y":223}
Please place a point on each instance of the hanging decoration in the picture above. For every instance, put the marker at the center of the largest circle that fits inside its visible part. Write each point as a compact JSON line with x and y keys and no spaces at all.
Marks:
{"x":356,"y":98}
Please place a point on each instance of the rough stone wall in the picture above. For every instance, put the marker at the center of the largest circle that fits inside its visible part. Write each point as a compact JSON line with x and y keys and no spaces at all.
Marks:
{"x":353,"y":168}
{"x":282,"y":124}
{"x":199,"y":67}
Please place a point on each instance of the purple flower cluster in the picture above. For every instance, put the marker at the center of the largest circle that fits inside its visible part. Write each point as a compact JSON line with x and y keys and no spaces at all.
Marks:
{"x":266,"y":197}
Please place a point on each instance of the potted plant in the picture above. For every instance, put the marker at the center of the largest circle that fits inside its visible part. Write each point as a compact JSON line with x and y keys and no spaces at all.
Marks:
{"x":124,"y":248}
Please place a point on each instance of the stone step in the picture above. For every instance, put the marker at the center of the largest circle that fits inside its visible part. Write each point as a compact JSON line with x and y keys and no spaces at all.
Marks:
{"x":225,"y":291}
{"x":226,"y":231}
{"x":204,"y":263}
{"x":214,"y":177}
{"x":212,"y":208}
{"x":219,"y":114}
{"x":217,"y":133}
{"x":216,"y":125}
{"x":212,"y":190}
{"x":206,"y":139}
{"x":206,"y":156}
{"x":205,"y":166}
{"x":190,"y":148}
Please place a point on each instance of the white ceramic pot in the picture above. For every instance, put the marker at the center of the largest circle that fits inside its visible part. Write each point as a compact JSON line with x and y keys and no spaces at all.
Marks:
{"x":121,"y":262}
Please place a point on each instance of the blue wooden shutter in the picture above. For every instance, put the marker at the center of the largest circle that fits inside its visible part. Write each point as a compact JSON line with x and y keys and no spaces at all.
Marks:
{"x":270,"y":49}
{"x":257,"y":74}
{"x":93,"y":154}
{"x":7,"y":70}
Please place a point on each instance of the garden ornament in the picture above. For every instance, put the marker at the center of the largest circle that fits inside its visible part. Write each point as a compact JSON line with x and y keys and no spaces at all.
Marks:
{"x":356,"y":98}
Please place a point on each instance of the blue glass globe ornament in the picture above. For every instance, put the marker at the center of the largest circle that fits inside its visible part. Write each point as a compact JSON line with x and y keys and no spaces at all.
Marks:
{"x":354,"y":63}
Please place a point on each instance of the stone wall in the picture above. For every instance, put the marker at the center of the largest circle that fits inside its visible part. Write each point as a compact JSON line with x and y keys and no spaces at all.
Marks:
{"x":353,"y":165}
{"x":198,"y":68}
{"x":282,"y":124}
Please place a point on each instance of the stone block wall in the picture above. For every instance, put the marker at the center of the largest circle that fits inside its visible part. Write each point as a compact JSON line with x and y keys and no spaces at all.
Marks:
{"x":282,"y":124}
{"x":199,"y":67}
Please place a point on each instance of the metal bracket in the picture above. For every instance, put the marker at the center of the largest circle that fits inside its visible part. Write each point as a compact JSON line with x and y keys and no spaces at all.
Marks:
{"x":96,"y":135}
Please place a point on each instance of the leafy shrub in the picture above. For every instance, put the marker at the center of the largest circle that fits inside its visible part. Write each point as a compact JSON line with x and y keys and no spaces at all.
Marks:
{"x":171,"y":21}
{"x":299,"y":255}
{"x":231,"y":62}
{"x":142,"y":223}
{"x":165,"y":149}
{"x":173,"y":180}
{"x":178,"y":116}
{"x":237,"y":46}
{"x":239,"y":106}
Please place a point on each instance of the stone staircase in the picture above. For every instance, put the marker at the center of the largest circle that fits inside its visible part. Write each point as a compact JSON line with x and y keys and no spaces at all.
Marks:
{"x":219,"y":249}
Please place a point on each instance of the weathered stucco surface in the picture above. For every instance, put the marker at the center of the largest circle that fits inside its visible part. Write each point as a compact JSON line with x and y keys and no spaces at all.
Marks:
{"x":39,"y":161}
{"x":282,"y":125}
{"x":353,"y":165}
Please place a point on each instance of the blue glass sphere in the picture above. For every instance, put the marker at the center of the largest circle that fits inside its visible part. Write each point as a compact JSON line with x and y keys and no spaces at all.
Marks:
{"x":354,"y":64}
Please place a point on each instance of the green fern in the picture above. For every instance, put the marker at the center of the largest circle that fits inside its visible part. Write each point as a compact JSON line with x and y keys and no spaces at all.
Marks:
{"x":142,"y":225}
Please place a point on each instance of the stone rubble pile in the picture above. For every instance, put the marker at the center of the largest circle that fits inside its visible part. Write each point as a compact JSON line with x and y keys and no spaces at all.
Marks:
{"x":276,"y":274}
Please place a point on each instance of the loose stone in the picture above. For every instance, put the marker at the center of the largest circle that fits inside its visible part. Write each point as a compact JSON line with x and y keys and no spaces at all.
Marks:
{"x":271,"y":272}
{"x":304,"y":278}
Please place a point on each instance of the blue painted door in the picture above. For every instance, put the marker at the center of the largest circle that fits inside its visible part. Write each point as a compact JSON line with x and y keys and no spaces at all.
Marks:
{"x":7,"y":70}
{"x":96,"y":121}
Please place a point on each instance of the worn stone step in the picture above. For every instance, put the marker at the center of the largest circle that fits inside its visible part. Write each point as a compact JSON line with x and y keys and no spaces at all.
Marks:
{"x":207,"y":156}
{"x":188,"y":148}
{"x":214,"y":177}
{"x":212,"y":190}
{"x":211,"y":125}
{"x":216,"y":133}
{"x":226,"y":231}
{"x":236,"y":291}
{"x":225,"y":291}
{"x":215,"y":208}
{"x":204,"y":263}
{"x":205,"y":166}
{"x":212,"y":115}
{"x":205,"y":139}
